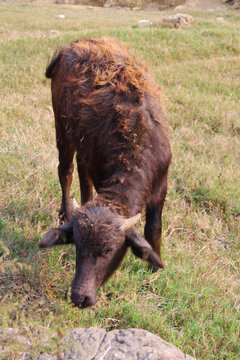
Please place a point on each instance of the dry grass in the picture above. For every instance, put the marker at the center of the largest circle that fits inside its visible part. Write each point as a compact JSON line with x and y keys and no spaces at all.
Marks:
{"x":195,"y":302}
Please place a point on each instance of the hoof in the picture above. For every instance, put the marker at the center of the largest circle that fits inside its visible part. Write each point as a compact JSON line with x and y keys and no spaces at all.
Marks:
{"x":154,"y":267}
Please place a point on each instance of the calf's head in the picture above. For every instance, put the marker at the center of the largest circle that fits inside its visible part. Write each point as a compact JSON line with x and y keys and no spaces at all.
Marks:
{"x":101,"y":238}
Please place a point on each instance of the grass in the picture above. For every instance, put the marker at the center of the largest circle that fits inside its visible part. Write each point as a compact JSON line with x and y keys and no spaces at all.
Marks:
{"x":195,"y":302}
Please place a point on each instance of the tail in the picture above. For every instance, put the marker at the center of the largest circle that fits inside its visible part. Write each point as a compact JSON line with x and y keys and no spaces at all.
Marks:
{"x":53,"y":63}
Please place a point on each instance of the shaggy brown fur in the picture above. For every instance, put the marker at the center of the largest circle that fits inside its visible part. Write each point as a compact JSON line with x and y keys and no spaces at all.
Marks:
{"x":108,"y":110}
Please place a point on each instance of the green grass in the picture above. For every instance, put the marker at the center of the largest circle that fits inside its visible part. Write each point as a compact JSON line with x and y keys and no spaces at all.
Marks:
{"x":195,"y":302}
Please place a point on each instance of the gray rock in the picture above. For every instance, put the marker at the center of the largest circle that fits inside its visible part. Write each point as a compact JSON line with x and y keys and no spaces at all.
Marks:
{"x":131,"y":344}
{"x":178,"y":20}
{"x":82,"y":342}
{"x":45,"y":357}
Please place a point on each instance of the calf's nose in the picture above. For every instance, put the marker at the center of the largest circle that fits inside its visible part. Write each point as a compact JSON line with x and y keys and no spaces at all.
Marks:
{"x":83,"y":301}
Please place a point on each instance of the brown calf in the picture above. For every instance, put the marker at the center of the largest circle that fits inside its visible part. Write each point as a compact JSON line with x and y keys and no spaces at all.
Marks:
{"x":108,"y":111}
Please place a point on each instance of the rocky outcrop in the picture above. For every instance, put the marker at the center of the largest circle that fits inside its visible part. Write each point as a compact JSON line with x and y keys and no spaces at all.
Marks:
{"x":235,"y":3}
{"x":94,"y":344}
{"x":177,"y":20}
{"x":160,"y":4}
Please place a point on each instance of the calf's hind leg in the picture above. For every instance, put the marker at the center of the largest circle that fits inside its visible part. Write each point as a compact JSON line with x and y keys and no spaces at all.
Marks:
{"x":153,"y":226}
{"x":65,"y":171}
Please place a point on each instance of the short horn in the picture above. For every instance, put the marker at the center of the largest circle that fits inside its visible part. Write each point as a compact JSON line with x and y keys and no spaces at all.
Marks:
{"x":128,"y":223}
{"x":75,"y":205}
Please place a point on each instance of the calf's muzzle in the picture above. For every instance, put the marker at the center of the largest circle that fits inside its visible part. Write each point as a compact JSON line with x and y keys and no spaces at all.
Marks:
{"x":83,"y":300}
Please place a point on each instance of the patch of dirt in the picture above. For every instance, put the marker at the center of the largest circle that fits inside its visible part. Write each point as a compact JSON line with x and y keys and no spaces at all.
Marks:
{"x":205,"y":5}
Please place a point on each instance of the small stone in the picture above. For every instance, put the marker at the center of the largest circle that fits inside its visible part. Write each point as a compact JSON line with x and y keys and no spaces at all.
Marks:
{"x":53,"y":33}
{"x":222,"y":244}
{"x":144,"y":23}
{"x":220,"y":19}
{"x":60,"y":16}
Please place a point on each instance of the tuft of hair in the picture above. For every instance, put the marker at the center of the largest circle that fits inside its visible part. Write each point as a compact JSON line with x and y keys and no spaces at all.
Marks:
{"x":51,"y":66}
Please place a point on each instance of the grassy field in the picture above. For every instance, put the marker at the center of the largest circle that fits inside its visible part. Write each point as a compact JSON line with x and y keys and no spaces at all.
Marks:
{"x":195,"y":302}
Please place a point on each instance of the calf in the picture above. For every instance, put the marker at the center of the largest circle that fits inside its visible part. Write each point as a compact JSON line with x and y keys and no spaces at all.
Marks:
{"x":108,"y":111}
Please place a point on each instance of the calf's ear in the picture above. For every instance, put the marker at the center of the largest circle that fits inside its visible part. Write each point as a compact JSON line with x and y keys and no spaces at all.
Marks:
{"x":58,"y":236}
{"x":142,"y":249}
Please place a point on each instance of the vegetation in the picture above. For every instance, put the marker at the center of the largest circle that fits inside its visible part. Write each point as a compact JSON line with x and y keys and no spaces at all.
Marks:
{"x":195,"y":302}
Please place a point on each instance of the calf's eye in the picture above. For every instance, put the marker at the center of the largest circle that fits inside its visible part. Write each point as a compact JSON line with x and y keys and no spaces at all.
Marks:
{"x":108,"y":251}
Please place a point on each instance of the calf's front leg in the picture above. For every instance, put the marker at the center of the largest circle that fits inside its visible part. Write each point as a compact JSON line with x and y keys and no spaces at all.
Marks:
{"x":153,"y":226}
{"x":65,"y":173}
{"x":86,"y":186}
